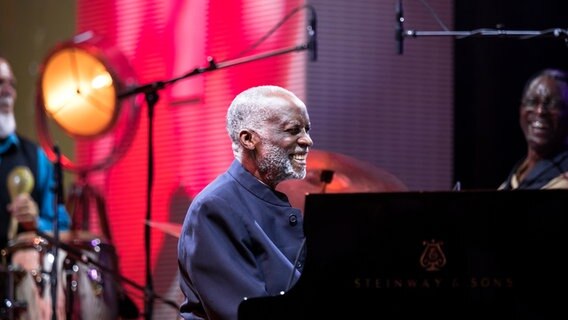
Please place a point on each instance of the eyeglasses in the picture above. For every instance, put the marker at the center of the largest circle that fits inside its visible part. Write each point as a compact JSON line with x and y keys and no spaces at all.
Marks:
{"x":550,"y":105}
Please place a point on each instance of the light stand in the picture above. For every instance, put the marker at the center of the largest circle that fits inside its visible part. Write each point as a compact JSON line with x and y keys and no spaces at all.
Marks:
{"x":55,"y":249}
{"x":151,"y":92}
{"x":79,"y":202}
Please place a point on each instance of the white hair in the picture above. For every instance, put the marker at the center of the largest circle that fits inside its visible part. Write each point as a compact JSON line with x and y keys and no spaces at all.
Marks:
{"x":251,"y":108}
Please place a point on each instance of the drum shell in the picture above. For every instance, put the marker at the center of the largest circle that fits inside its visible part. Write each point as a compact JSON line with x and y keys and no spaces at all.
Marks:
{"x":9,"y":279}
{"x":85,"y":275}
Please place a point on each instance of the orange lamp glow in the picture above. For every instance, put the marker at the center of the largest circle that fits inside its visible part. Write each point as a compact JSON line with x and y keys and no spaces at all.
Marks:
{"x":79,"y":92}
{"x":78,"y":89}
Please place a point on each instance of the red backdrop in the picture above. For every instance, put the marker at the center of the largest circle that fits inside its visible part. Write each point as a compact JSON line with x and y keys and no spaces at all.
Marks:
{"x":163,"y":40}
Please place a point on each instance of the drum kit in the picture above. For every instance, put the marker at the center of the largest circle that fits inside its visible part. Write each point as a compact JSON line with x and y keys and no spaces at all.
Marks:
{"x":85,"y":286}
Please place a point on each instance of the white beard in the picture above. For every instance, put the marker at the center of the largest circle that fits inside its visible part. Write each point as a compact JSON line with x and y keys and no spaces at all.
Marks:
{"x":7,"y":124}
{"x":275,"y":164}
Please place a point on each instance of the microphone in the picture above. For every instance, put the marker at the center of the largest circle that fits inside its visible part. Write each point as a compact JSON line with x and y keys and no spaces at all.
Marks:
{"x":399,"y":30}
{"x":312,"y":36}
{"x":326,"y":177}
{"x":20,"y":180}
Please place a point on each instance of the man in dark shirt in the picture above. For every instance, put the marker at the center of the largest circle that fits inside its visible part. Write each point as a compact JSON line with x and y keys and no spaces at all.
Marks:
{"x":543,"y":116}
{"x":241,"y":238}
{"x":34,"y":209}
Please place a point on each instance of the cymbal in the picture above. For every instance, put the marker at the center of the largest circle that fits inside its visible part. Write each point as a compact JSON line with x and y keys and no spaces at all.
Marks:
{"x":345,"y":174}
{"x":172,"y":229}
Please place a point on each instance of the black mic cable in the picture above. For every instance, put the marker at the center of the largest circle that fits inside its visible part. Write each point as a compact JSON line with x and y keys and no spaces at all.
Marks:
{"x":311,"y":29}
{"x":312,"y":34}
{"x":399,"y":30}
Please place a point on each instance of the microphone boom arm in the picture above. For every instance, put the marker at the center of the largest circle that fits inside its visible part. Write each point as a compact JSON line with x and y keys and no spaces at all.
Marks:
{"x":522,"y":34}
{"x":158,"y":85}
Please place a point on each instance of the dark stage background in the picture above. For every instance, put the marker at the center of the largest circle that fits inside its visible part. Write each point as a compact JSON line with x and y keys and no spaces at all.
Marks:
{"x":489,"y":76}
{"x":444,"y":111}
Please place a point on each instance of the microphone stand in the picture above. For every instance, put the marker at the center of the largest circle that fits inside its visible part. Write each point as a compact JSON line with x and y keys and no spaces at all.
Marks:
{"x":522,"y":34}
{"x":400,"y":33}
{"x":58,"y":174}
{"x":151,"y":94}
{"x":501,"y":33}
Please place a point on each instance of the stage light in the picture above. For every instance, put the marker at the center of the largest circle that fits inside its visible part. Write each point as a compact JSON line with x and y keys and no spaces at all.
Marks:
{"x":78,"y":89}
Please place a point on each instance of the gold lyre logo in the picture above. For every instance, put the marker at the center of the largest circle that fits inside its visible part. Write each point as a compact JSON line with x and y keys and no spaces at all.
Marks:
{"x":433,"y":257}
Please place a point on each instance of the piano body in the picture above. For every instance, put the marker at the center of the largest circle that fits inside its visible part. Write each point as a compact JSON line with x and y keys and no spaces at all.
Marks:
{"x":429,"y":255}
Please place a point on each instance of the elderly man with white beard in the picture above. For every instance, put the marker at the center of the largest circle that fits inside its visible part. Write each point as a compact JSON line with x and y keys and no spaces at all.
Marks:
{"x":241,"y":238}
{"x":31,"y":210}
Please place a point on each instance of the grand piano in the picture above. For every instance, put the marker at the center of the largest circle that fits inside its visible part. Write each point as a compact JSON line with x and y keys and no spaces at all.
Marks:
{"x":429,"y":255}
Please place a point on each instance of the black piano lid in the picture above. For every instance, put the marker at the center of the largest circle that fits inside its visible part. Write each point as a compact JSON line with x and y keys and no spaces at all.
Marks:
{"x":433,"y":255}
